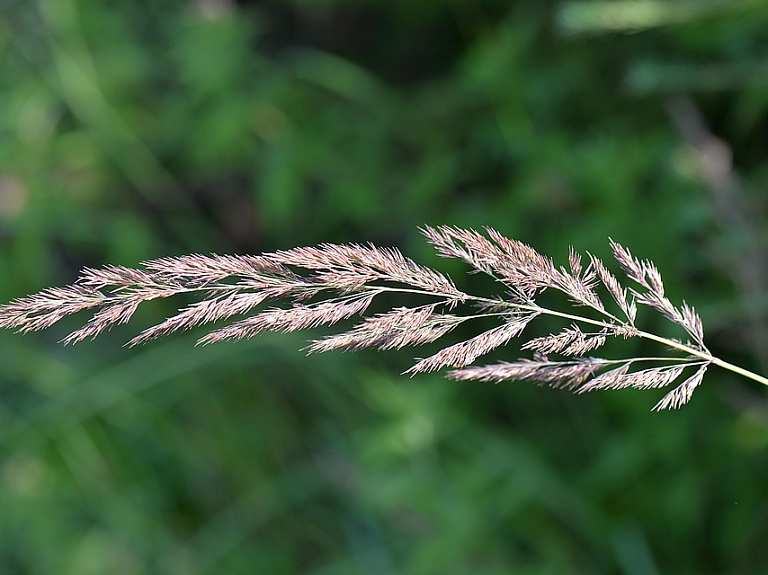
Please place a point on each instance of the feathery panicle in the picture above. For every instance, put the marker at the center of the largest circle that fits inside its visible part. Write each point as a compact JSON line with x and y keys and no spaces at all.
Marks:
{"x":614,"y":288}
{"x":205,"y":311}
{"x":682,"y":393}
{"x":114,"y":313}
{"x":465,"y":352}
{"x":609,"y":379}
{"x":298,"y":317}
{"x":574,"y":261}
{"x":648,"y":276}
{"x":565,"y":374}
{"x":633,"y":267}
{"x":510,"y":261}
{"x":392,"y":330}
{"x":621,"y":378}
{"x":115,"y":277}
{"x":330,"y":283}
{"x":581,"y":289}
{"x":42,"y":310}
{"x":370,"y":263}
{"x":199,"y":270}
{"x":570,"y":341}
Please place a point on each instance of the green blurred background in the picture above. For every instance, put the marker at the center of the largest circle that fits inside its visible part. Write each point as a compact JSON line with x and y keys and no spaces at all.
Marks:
{"x":133,"y":130}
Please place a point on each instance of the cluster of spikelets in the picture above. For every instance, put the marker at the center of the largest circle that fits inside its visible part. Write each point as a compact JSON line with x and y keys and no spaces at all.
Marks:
{"x":330,"y":283}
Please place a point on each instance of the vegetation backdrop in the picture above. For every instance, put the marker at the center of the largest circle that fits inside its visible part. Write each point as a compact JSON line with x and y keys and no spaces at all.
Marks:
{"x":134,"y":130}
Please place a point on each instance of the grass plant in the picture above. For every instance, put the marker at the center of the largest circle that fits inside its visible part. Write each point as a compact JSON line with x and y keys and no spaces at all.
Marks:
{"x":331,"y":282}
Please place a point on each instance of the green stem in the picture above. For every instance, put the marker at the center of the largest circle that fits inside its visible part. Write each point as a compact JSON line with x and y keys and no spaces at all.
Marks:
{"x":740,"y":370}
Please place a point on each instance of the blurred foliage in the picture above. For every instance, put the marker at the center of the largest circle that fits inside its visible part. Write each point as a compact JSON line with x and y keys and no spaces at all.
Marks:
{"x":131,"y":130}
